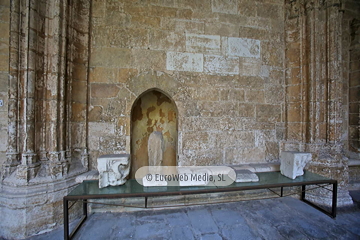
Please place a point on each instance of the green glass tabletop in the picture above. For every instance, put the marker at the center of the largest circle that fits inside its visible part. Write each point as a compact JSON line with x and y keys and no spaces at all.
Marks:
{"x":276,"y":178}
{"x":132,"y":187}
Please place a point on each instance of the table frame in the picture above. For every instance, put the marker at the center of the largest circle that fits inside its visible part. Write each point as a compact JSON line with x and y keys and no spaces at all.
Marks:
{"x":85,"y":198}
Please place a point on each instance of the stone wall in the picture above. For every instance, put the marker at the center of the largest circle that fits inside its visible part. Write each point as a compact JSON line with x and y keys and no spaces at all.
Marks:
{"x":248,"y":79}
{"x":221,"y":62}
{"x":46,"y":59}
{"x":351,"y":66}
{"x":4,"y":71}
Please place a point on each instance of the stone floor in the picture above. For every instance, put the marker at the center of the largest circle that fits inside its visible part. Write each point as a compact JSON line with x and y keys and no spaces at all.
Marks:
{"x":280,"y":218}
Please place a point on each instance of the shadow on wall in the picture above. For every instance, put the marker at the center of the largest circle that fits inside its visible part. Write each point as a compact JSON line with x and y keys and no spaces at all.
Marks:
{"x":153,"y":131}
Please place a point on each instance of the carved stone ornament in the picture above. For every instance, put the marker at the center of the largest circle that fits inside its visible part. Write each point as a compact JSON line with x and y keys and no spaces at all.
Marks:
{"x":113,"y":169}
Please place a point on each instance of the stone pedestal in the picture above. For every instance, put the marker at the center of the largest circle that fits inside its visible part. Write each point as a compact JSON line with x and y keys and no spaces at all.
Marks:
{"x":293,"y":163}
{"x":113,"y":169}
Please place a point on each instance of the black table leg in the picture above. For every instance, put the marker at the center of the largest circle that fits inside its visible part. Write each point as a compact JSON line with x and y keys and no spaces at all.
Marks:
{"x":334,"y":200}
{"x":85,"y":208}
{"x":303,"y":190}
{"x":66,"y":219}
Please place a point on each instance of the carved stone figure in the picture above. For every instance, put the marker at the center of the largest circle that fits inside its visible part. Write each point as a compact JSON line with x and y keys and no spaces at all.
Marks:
{"x":293,"y":163}
{"x":113,"y":169}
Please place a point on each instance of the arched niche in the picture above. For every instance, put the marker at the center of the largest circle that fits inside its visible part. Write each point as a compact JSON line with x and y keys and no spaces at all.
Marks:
{"x":154,"y":117}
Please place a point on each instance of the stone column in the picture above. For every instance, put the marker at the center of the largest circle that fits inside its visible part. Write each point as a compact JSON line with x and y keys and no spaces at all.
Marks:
{"x":24,"y":79}
{"x":55,"y":57}
{"x":78,"y":57}
{"x":315,"y":87}
{"x":12,"y":153}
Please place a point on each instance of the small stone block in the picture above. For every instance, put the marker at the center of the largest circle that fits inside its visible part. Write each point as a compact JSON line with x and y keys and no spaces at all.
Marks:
{"x":293,"y":163}
{"x":245,"y":175}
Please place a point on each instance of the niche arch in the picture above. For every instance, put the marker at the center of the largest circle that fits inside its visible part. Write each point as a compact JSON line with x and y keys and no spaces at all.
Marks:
{"x":153,"y":111}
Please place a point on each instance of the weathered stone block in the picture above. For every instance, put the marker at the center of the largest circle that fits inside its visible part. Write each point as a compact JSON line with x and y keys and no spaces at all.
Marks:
{"x":233,"y":94}
{"x":159,"y":11}
{"x":141,"y":21}
{"x":294,"y":93}
{"x":230,"y":6}
{"x":102,"y":75}
{"x":99,"y":129}
{"x":168,"y":41}
{"x":254,"y":96}
{"x":203,"y":43}
{"x":199,"y":5}
{"x":222,"y":29}
{"x":250,"y":66}
{"x":294,"y":112}
{"x":192,"y":62}
{"x":214,"y":64}
{"x":117,"y":18}
{"x":274,"y":94}
{"x":272,"y":151}
{"x":208,"y":94}
{"x":234,"y":139}
{"x":111,"y":57}
{"x":245,"y":110}
{"x":179,"y":25}
{"x":293,"y":163}
{"x":125,"y":74}
{"x":244,"y":47}
{"x":252,"y":82}
{"x":184,"y":13}
{"x":128,"y":38}
{"x":244,"y":155}
{"x":268,"y":113}
{"x":271,"y":11}
{"x":196,"y":141}
{"x":98,"y":8}
{"x":104,"y":90}
{"x":247,"y":8}
{"x":217,"y":109}
{"x":78,"y":112}
{"x":149,"y":59}
{"x":4,"y":65}
{"x":113,"y":169}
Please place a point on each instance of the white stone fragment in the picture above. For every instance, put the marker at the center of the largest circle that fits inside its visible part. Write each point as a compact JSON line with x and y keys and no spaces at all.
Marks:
{"x":113,"y":169}
{"x":190,"y":172}
{"x":150,"y":180}
{"x":245,"y":175}
{"x":244,"y":47}
{"x":91,"y":175}
{"x":293,"y":163}
{"x":188,"y":62}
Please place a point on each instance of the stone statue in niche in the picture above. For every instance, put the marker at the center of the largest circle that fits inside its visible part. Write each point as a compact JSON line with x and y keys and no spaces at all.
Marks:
{"x":155,"y":148}
{"x":113,"y":169}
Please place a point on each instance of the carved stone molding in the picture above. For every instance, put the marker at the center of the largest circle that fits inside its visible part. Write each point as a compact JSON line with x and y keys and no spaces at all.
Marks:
{"x":41,"y":89}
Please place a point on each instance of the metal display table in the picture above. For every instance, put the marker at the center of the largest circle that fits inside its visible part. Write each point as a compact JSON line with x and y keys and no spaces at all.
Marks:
{"x":267,"y":180}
